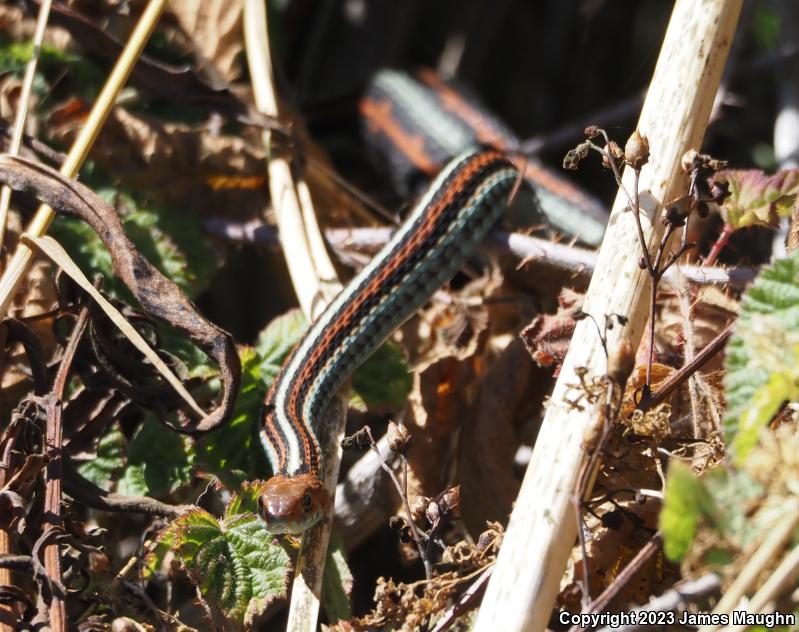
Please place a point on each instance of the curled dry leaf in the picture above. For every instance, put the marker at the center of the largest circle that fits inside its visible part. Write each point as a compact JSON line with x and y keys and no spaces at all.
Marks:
{"x":548,"y":336}
{"x":756,"y":198}
{"x":157,"y":295}
{"x":215,"y":30}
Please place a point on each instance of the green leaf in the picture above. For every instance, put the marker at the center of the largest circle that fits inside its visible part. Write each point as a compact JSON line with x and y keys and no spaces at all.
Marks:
{"x":685,"y":497}
{"x":277,"y":340}
{"x":337,"y":583}
{"x":384,"y":381}
{"x":245,"y":501}
{"x":233,"y":453}
{"x":721,"y":500}
{"x":171,"y":242}
{"x":765,"y":403}
{"x":159,"y":461}
{"x":756,"y":198}
{"x":235,"y":563}
{"x":108,"y":461}
{"x":762,"y":362}
{"x":732,"y":492}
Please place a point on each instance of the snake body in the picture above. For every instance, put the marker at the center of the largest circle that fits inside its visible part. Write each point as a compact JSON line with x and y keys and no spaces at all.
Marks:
{"x":451,"y":219}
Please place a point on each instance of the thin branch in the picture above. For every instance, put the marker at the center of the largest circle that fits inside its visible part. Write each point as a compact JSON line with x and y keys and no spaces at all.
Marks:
{"x":572,"y":260}
{"x":402,"y":491}
{"x":22,"y":108}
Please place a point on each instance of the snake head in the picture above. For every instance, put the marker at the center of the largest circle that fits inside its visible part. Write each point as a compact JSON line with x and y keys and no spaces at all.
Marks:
{"x":292,"y":504}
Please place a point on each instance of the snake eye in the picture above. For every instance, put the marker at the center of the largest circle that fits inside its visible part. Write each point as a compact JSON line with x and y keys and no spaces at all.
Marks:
{"x":307,"y":502}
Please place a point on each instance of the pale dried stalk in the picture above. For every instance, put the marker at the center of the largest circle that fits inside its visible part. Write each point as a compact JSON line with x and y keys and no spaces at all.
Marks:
{"x":19,"y":120}
{"x":767,"y":552}
{"x":542,"y":528}
{"x":23,"y":257}
{"x":783,"y":577}
{"x":315,"y":281}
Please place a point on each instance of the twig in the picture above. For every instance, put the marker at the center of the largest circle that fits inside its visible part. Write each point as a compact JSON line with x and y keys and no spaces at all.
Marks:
{"x":23,"y":257}
{"x":697,"y":362}
{"x":22,"y":112}
{"x":363,"y":501}
{"x":682,"y":594}
{"x":89,"y":494}
{"x":403,"y":494}
{"x":623,"y":578}
{"x":54,"y":442}
{"x":542,"y":528}
{"x":572,"y":260}
{"x":466,"y":601}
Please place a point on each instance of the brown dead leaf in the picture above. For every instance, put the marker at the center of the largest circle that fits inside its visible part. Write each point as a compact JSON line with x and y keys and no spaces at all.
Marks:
{"x":509,"y":392}
{"x":215,"y":30}
{"x":178,"y":163}
{"x":548,"y":336}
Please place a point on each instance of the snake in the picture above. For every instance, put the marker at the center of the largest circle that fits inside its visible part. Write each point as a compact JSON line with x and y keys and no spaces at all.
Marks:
{"x":449,"y":221}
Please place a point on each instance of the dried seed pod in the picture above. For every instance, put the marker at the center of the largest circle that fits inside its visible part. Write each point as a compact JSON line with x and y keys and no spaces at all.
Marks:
{"x":612,"y":151}
{"x":433,"y":513}
{"x":449,"y":502}
{"x":398,"y":438}
{"x":621,"y":363}
{"x":358,"y":440}
{"x":419,"y":508}
{"x":636,"y":151}
{"x":689,"y":160}
{"x":677,"y":211}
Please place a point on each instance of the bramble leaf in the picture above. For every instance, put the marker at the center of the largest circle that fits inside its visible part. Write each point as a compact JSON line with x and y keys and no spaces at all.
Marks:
{"x":756,"y":198}
{"x":384,"y":381}
{"x":233,"y":452}
{"x":763,"y":355}
{"x":234,"y":561}
{"x":277,"y":340}
{"x":159,"y":461}
{"x":108,"y":460}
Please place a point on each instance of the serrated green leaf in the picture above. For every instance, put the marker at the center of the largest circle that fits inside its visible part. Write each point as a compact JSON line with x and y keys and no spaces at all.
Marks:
{"x":277,"y":340}
{"x":245,"y":501}
{"x":108,"y":461}
{"x":756,"y":198}
{"x":159,"y":461}
{"x":684,"y":499}
{"x":731,"y":492}
{"x":235,"y":562}
{"x":233,"y":453}
{"x":762,"y":362}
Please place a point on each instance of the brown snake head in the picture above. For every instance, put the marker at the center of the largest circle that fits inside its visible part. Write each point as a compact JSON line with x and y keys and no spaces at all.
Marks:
{"x":292,"y":504}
